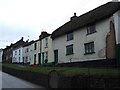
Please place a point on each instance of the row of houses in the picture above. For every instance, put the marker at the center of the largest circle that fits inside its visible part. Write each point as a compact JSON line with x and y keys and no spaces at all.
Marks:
{"x":34,"y":52}
{"x":94,"y":35}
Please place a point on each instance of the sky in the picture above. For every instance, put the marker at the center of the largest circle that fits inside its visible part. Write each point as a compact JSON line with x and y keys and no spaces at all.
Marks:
{"x":27,"y":18}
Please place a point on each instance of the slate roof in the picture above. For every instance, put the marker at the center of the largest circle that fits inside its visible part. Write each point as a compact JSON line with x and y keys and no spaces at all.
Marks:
{"x":28,"y":43}
{"x":18,"y":44}
{"x":43,"y":35}
{"x":97,"y":14}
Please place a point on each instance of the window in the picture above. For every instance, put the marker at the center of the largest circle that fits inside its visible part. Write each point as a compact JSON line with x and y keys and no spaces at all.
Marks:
{"x":70,"y":36}
{"x":15,"y":52}
{"x":34,"y":59}
{"x":69,"y":49}
{"x":26,"y":60}
{"x":35,"y":46}
{"x":19,"y":52}
{"x":19,"y":59}
{"x":89,"y":48}
{"x":91,"y":29}
{"x":46,"y":57}
{"x":46,"y":42}
{"x":23,"y":59}
{"x":27,"y":49}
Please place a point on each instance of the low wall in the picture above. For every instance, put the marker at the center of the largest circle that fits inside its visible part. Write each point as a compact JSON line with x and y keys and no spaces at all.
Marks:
{"x":118,"y":54}
{"x":93,"y":63}
{"x":56,"y":80}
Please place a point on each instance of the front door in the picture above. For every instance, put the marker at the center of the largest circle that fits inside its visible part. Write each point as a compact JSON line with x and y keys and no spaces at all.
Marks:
{"x":42,"y":58}
{"x":34,"y":59}
{"x":39,"y":58}
{"x":56,"y":56}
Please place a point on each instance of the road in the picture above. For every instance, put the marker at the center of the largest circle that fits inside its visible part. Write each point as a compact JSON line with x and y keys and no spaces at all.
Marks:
{"x":9,"y":81}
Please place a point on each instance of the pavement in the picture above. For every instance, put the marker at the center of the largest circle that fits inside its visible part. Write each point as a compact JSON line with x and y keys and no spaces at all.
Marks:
{"x":9,"y":81}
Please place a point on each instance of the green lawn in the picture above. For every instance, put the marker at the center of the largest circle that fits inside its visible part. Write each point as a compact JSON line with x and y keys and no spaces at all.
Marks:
{"x":69,"y":71}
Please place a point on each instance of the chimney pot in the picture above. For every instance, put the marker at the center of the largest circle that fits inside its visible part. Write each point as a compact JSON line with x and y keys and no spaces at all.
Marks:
{"x":22,"y":38}
{"x":74,"y":14}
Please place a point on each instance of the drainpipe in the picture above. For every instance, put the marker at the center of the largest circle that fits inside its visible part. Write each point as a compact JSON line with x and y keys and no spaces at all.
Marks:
{"x":40,"y":49}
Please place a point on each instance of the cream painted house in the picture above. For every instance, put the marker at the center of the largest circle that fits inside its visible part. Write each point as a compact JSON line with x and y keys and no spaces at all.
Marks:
{"x":90,"y":36}
{"x":35,"y":53}
{"x":47,"y":55}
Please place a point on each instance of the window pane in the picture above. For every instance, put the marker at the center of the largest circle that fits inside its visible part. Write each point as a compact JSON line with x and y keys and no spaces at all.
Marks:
{"x":69,"y":49}
{"x":35,"y":46}
{"x":89,"y":47}
{"x":91,"y":29}
{"x":19,"y":52}
{"x":70,"y":36}
{"x":46,"y":42}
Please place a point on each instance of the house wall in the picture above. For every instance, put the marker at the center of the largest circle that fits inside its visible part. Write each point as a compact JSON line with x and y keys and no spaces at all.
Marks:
{"x":15,"y":57}
{"x":33,"y":52}
{"x":48,"y":49}
{"x":8,"y":55}
{"x":117,"y":33}
{"x":117,"y":26}
{"x":27,"y":54}
{"x":80,"y":38}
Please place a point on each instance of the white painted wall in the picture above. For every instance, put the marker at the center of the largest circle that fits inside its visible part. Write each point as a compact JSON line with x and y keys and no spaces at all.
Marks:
{"x":27,"y":54}
{"x":80,"y":38}
{"x":1,"y":53}
{"x":117,"y":26}
{"x":49,"y":49}
{"x":33,"y":52}
{"x":15,"y":57}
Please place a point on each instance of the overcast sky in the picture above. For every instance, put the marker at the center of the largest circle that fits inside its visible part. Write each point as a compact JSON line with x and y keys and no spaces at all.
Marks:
{"x":27,"y":18}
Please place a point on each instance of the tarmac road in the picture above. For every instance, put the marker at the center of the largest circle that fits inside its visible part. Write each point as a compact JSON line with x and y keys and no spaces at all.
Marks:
{"x":9,"y":81}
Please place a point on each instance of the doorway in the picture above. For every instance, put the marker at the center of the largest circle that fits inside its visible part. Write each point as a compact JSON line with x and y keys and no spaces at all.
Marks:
{"x":56,"y":56}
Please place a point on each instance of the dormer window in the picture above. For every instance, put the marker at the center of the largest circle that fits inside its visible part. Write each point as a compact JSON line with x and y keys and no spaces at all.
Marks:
{"x":91,"y":29}
{"x":70,"y":36}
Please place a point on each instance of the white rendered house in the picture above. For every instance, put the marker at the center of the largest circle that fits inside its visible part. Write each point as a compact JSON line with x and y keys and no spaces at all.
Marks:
{"x":90,"y":36}
{"x":17,"y":56}
{"x":27,"y":52}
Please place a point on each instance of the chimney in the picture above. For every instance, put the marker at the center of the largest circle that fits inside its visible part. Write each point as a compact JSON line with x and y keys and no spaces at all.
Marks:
{"x":74,"y":14}
{"x":74,"y":17}
{"x":27,"y":40}
{"x":11,"y":44}
{"x":22,"y":38}
{"x":7,"y":46}
{"x":43,"y":35}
